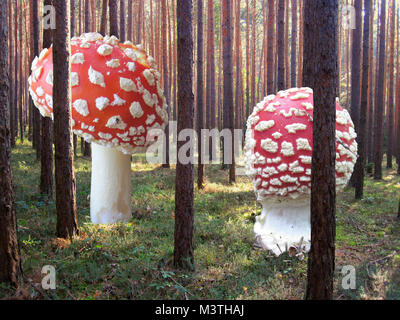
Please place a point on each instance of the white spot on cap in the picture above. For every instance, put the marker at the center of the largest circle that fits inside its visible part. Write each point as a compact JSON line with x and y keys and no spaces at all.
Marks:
{"x":264,"y":125}
{"x":105,"y":50}
{"x":127,"y":85}
{"x":269,"y":145}
{"x":81,"y":107}
{"x":149,"y":99}
{"x":37,"y":73}
{"x":102,"y":103}
{"x":283,"y":167}
{"x":150,"y":119}
{"x":49,"y":78}
{"x":131,"y":66}
{"x":308,"y":105}
{"x":116,"y":123}
{"x":43,"y":53}
{"x":78,"y":58}
{"x":117,"y":101}
{"x":106,"y":136}
{"x":96,"y":77}
{"x":131,"y":54}
{"x":40,"y":91}
{"x":277,"y":135}
{"x":293,"y":128}
{"x":287,"y":149}
{"x":74,"y":79}
{"x":136,"y":110}
{"x":49,"y":100}
{"x":114,"y":63}
{"x":302,"y":144}
{"x":149,"y":77}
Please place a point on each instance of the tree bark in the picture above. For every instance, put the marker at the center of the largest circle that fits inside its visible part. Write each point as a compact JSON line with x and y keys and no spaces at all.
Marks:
{"x":67,"y":225}
{"x":380,"y":99}
{"x":200,"y":94}
{"x":10,"y":265}
{"x":389,"y":152}
{"x":270,"y":46}
{"x":113,"y":11}
{"x":103,"y":23}
{"x":184,"y":212}
{"x":293,"y":45}
{"x":361,"y":134}
{"x":46,"y":172}
{"x":281,"y":45}
{"x":122,"y":21}
{"x":320,"y":73}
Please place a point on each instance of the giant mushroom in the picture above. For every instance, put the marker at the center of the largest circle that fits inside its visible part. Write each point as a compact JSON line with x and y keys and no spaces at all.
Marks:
{"x":117,"y":101}
{"x":278,"y":155}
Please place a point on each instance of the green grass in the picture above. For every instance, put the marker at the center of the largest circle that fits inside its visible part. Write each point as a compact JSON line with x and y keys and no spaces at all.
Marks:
{"x":133,"y":260}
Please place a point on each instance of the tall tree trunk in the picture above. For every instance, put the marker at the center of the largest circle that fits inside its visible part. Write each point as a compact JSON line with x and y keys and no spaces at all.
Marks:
{"x":247,"y":60}
{"x":129,"y":35}
{"x":113,"y":11}
{"x":165,"y":74}
{"x":35,"y":36}
{"x":301,"y":42}
{"x":253,"y":54}
{"x":320,"y":73}
{"x":46,"y":170}
{"x":17,"y":87}
{"x":184,"y":212}
{"x":200,"y":94}
{"x":21,"y":76}
{"x":356,"y":73}
{"x":270,"y":45}
{"x":379,"y":107}
{"x":10,"y":265}
{"x":103,"y":23}
{"x":67,"y":225}
{"x":391,"y":92}
{"x":281,"y":45}
{"x":293,"y":45}
{"x":122,"y":21}
{"x":229,"y":117}
{"x":361,"y":137}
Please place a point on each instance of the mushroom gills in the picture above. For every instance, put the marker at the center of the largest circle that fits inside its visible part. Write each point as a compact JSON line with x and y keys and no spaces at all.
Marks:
{"x":282,"y":226}
{"x":110,"y":199}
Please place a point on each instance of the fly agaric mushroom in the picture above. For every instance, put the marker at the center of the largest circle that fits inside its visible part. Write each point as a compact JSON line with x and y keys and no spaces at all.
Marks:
{"x":116,"y":101}
{"x":278,"y":154}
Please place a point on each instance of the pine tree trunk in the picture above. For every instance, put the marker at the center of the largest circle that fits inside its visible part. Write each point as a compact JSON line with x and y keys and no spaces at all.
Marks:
{"x":379,"y":107}
{"x":184,"y":212}
{"x":67,"y":225}
{"x":320,"y":73}
{"x":46,"y":172}
{"x":10,"y":265}
{"x":391,"y":91}
{"x":361,"y":134}
{"x":270,"y":46}
{"x":200,"y":94}
{"x":122,"y":21}
{"x":293,"y":45}
{"x":113,"y":11}
{"x":281,"y":45}
{"x":103,"y":23}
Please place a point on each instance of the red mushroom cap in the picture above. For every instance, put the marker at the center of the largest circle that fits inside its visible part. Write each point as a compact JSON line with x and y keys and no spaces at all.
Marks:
{"x":116,"y":92}
{"x":279,"y":145}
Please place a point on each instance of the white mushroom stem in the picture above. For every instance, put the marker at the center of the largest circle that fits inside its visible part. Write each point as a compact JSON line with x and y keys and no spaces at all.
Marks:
{"x":284,"y":225}
{"x":110,"y":197}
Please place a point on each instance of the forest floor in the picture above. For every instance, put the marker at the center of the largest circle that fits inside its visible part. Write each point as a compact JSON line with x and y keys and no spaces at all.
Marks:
{"x":133,"y":260}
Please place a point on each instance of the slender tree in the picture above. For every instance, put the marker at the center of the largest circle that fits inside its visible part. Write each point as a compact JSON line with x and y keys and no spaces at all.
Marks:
{"x":320,"y":73}
{"x":281,"y":44}
{"x":10,"y":268}
{"x":113,"y":11}
{"x":122,"y":20}
{"x":361,"y":138}
{"x":46,"y":169}
{"x":200,"y":94}
{"x":184,"y":212}
{"x":380,"y":97}
{"x":165,"y":73}
{"x":67,"y":225}
{"x":270,"y":46}
{"x":293,"y":45}
{"x":103,"y":23}
{"x":391,"y":91}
